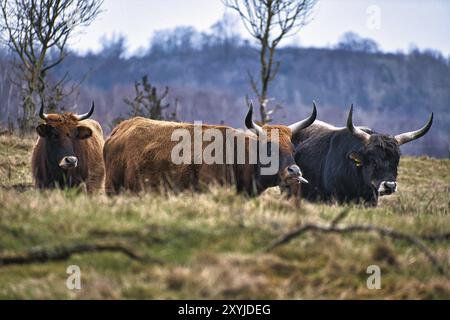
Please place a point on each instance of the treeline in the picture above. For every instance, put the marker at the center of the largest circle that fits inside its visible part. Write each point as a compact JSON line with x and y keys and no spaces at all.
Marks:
{"x":207,"y":76}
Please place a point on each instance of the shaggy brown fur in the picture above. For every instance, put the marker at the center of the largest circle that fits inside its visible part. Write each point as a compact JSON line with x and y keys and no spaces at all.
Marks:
{"x":62,"y":139}
{"x":138,"y":157}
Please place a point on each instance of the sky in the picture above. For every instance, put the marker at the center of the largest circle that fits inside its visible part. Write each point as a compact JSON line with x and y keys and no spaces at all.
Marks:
{"x":396,"y":25}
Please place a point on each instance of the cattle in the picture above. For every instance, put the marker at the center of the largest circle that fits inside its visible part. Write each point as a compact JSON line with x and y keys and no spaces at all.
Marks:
{"x":352,"y":164}
{"x":139,"y":156}
{"x":68,"y":152}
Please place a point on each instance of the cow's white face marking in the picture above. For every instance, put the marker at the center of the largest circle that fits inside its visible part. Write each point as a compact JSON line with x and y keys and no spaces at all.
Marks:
{"x":68,"y":163}
{"x":387,"y":187}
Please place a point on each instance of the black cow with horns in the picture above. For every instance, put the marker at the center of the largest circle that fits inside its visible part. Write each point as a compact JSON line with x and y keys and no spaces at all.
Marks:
{"x":352,"y":164}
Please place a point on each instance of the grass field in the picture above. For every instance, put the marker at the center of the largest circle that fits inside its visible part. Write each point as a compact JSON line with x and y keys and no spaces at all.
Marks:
{"x":212,"y":245}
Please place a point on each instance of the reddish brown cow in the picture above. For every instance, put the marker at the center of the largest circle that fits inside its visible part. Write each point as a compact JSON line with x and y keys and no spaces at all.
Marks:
{"x":139,"y":156}
{"x":68,"y":152}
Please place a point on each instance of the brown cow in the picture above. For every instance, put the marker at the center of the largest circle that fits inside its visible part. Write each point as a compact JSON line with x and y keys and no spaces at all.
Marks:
{"x":139,"y":156}
{"x":68,"y":152}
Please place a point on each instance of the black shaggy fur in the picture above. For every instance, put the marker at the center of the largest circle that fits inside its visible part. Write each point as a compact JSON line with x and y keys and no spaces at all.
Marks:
{"x":322,"y":153}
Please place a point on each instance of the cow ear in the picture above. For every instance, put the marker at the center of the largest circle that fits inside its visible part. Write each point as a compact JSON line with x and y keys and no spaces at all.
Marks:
{"x":43,"y":130}
{"x":83,"y":132}
{"x":356,"y":158}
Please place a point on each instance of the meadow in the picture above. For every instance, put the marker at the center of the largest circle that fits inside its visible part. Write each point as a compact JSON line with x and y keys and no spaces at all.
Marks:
{"x":213,"y":245}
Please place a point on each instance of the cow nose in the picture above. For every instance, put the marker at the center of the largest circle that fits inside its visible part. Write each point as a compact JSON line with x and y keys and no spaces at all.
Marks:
{"x":69,"y":162}
{"x":295,"y":174}
{"x":294,"y":170}
{"x":391,"y":185}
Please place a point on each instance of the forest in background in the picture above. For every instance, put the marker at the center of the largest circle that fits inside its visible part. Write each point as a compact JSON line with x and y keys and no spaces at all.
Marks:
{"x":207,"y":77}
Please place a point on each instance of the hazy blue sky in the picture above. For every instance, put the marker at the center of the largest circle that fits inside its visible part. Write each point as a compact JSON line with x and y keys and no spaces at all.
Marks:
{"x":394,"y":24}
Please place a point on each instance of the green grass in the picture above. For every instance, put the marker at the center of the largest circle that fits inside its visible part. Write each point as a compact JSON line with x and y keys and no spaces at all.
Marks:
{"x":211,"y":244}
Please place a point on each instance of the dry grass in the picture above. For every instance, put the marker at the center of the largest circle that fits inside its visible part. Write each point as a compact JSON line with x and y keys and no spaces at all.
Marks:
{"x":211,"y":244}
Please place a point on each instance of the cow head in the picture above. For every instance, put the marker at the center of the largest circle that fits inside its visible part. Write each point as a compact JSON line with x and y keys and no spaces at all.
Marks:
{"x":278,"y":137}
{"x":60,"y":131}
{"x":378,"y":157}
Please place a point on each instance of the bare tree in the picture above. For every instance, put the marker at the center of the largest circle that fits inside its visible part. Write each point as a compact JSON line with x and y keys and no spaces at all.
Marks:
{"x":269,"y":22}
{"x":37,"y":32}
{"x":149,"y":103}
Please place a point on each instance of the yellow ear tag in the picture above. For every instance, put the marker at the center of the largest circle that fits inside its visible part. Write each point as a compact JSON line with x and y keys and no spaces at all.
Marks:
{"x":358,"y":163}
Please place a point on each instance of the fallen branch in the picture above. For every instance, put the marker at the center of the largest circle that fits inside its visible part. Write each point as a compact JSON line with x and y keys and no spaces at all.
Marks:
{"x":436,"y":237}
{"x":333,"y":228}
{"x":42,"y":255}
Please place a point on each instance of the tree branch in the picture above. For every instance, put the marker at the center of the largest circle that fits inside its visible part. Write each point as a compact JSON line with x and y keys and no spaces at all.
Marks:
{"x":394,"y":234}
{"x":60,"y":253}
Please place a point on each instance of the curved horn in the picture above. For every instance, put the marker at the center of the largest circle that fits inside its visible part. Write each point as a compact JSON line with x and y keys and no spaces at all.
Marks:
{"x":85,"y":116}
{"x":410,"y":136}
{"x":296,"y":127}
{"x":250,"y":124}
{"x":356,"y":132}
{"x":41,"y":112}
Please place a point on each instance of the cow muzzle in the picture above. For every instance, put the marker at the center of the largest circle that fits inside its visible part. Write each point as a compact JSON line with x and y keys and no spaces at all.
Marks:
{"x":387,"y":188}
{"x":68,"y":163}
{"x":293,"y":174}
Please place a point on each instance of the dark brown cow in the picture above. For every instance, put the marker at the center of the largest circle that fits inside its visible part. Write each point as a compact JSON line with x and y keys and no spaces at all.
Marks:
{"x":68,"y":152}
{"x":139,"y":156}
